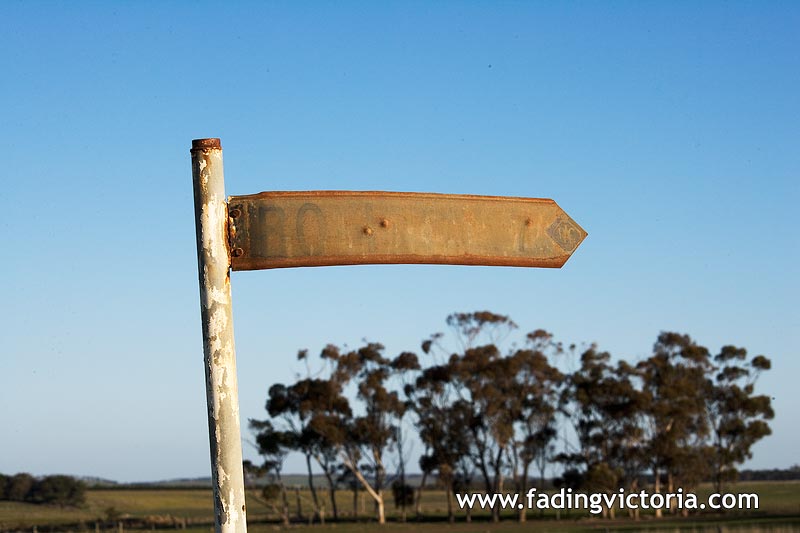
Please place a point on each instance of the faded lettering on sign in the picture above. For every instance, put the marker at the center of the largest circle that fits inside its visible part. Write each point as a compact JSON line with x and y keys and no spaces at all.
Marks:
{"x":316,"y":228}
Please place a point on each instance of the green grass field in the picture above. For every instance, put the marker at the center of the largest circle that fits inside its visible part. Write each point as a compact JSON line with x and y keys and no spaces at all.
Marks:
{"x":168,"y":508}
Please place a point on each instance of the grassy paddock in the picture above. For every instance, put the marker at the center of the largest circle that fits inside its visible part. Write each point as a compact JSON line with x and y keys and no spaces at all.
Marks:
{"x":762,"y":525}
{"x":162,"y":506}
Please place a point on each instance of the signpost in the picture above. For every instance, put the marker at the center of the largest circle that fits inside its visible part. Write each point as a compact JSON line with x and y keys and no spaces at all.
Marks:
{"x":323,"y":228}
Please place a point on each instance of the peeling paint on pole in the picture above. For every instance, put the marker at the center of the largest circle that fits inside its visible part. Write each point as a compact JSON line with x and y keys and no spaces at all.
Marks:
{"x":222,"y":393}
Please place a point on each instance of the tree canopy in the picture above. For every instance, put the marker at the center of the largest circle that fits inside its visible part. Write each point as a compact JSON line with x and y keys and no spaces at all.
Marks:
{"x":488,"y":408}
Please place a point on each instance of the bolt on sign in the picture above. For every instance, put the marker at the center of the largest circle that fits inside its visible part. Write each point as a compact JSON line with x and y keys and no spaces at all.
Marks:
{"x":325,"y":228}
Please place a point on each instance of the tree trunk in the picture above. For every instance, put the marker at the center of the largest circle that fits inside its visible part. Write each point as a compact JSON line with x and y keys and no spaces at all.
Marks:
{"x":332,"y":493}
{"x":311,"y":485}
{"x":498,"y":484}
{"x":671,"y":490}
{"x":657,"y":487}
{"x":634,"y":513}
{"x":482,"y":463}
{"x":450,"y":488}
{"x":376,"y":495}
{"x":284,"y":501}
{"x":402,"y":468}
{"x":542,"y":468}
{"x":284,"y":506}
{"x":523,"y":490}
{"x":417,"y":505}
{"x":381,"y":510}
{"x":297,"y":503}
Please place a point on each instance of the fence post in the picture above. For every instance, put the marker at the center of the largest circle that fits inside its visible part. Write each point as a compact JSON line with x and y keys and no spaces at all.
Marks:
{"x":222,"y":392}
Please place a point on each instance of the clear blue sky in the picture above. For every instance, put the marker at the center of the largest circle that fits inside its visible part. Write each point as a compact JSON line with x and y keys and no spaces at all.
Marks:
{"x":669,"y":131}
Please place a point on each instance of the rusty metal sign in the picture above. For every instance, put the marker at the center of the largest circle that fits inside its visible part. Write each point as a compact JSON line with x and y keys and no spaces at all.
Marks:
{"x":321,"y":228}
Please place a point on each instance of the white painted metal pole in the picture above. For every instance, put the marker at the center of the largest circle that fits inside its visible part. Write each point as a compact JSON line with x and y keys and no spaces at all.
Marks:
{"x":222,"y":391}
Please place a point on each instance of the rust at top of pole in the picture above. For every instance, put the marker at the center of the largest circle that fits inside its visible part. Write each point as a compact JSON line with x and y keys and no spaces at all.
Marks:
{"x":205,"y":144}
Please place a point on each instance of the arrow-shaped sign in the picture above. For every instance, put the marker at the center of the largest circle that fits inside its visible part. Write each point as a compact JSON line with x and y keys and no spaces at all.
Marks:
{"x":320,"y":228}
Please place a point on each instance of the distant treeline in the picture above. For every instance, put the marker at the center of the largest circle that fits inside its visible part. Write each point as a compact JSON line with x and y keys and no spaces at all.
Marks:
{"x":413,"y":479}
{"x":774,"y":474}
{"x":64,"y":491}
{"x":496,"y":413}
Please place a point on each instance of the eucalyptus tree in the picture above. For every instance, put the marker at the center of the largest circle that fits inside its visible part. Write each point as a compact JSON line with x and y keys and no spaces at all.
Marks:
{"x":405,"y":368}
{"x":440,"y":420}
{"x":273,"y":445}
{"x":737,"y":415}
{"x":442,"y":423}
{"x":538,"y":386}
{"x":674,"y":386}
{"x":602,"y":401}
{"x":292,"y":404}
{"x":363,"y":440}
{"x":486,"y":385}
{"x":306,"y":409}
{"x":19,"y":486}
